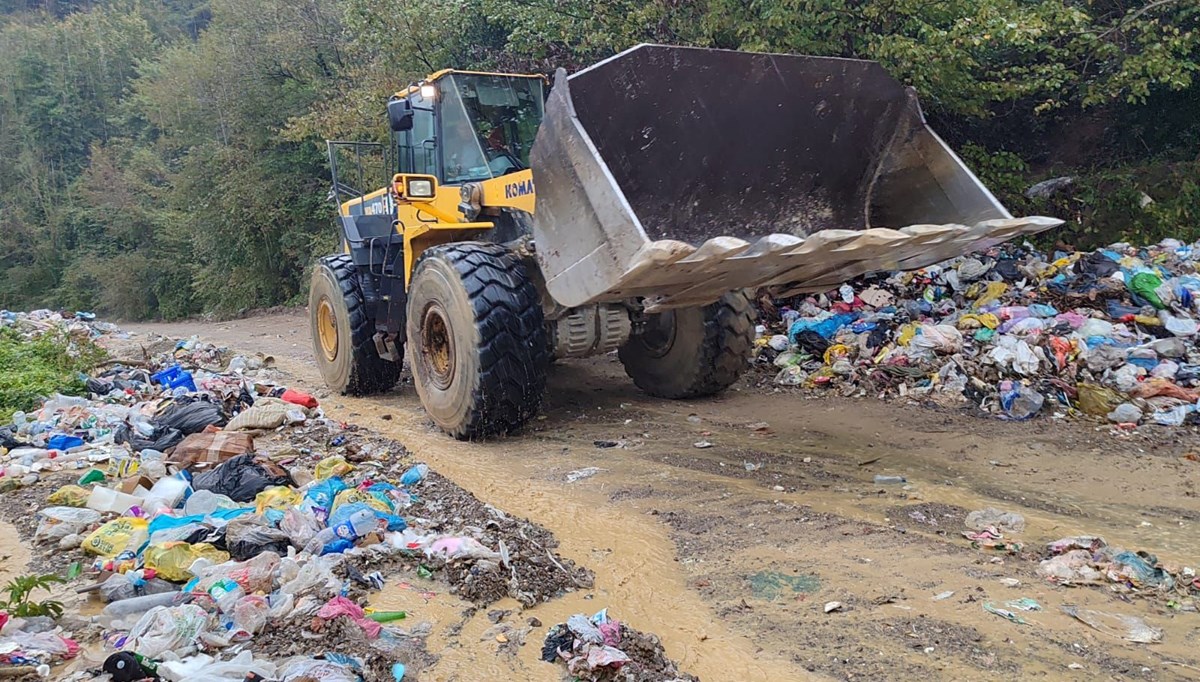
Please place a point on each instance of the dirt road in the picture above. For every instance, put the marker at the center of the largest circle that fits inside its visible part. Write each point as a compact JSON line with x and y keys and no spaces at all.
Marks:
{"x":730,"y":553}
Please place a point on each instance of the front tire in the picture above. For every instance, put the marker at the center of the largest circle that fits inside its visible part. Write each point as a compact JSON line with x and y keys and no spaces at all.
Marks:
{"x":476,"y":339}
{"x":342,"y":334}
{"x":692,"y":352}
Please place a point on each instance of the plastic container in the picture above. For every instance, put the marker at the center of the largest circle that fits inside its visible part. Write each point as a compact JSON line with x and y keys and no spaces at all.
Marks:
{"x":108,"y":500}
{"x":175,"y":377}
{"x":167,"y":492}
{"x":890,"y":480}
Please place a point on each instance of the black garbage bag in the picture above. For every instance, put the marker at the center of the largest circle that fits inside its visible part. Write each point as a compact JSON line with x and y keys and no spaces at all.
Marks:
{"x":812,"y":342}
{"x":190,"y":417}
{"x":1008,"y":269}
{"x":242,"y":477}
{"x":1096,"y":264}
{"x":8,"y":440}
{"x":160,"y":440}
{"x":99,"y":386}
{"x":249,"y":535}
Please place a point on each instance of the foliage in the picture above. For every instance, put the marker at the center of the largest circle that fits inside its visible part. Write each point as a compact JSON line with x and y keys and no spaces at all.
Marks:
{"x":32,"y":369}
{"x":20,"y":588}
{"x":164,"y":158}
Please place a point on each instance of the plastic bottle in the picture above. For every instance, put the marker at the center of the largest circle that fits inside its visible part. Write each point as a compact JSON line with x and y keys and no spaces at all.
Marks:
{"x":166,"y":492}
{"x":126,"y":607}
{"x":226,"y":593}
{"x":889,"y":480}
{"x":108,"y":500}
{"x":359,"y":524}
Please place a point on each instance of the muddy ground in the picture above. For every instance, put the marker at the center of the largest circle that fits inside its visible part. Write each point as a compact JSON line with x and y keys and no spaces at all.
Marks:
{"x":730,"y":553}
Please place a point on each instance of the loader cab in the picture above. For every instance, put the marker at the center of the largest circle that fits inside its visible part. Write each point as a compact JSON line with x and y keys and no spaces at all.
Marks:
{"x":462,"y":126}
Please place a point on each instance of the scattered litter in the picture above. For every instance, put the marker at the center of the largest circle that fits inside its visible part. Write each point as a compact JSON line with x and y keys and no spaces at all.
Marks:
{"x":703,"y":444}
{"x":580,"y":474}
{"x":942,"y":596}
{"x":1024,"y":604}
{"x":833,"y":606}
{"x":1129,"y":628}
{"x":1003,"y":613}
{"x":596,"y":648}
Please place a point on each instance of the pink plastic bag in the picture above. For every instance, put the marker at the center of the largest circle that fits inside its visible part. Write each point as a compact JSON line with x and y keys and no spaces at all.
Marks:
{"x":340,"y":606}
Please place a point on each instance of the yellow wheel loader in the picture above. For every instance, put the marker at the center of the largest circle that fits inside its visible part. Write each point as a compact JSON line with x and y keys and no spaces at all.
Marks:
{"x":630,"y":209}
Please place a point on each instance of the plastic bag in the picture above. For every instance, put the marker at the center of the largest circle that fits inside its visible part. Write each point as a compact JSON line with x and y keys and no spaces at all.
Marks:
{"x":299,"y":526}
{"x":117,"y":536}
{"x":331,"y":467}
{"x":209,"y":669}
{"x":173,"y":559}
{"x":255,"y":575}
{"x":1020,"y":402}
{"x":249,"y":535}
{"x":242,"y":478}
{"x":191,"y":417}
{"x":168,"y":628}
{"x":342,"y":513}
{"x":318,"y":499}
{"x":278,"y":497}
{"x":251,"y":613}
{"x":314,"y":669}
{"x":341,"y":606}
{"x":205,"y":502}
{"x":69,"y":496}
{"x":356,"y":496}
{"x":1097,"y":400}
{"x":1129,"y":628}
{"x":59,"y":522}
{"x":298,"y":398}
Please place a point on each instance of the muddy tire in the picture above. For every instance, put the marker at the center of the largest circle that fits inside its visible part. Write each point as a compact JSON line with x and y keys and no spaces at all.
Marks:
{"x":342,"y":334}
{"x":692,"y":352}
{"x":476,"y":339}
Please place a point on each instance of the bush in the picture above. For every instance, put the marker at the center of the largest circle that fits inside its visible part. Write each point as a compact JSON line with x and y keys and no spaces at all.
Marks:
{"x":32,"y":369}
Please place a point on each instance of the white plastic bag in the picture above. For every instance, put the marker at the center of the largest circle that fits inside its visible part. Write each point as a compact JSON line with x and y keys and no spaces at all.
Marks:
{"x":168,"y":628}
{"x":209,"y":669}
{"x":59,"y":522}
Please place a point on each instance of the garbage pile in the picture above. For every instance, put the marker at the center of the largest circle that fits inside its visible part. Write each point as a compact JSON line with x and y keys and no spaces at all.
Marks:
{"x":602,"y":649}
{"x":1013,"y":331}
{"x":1083,"y":560}
{"x":211,"y":507}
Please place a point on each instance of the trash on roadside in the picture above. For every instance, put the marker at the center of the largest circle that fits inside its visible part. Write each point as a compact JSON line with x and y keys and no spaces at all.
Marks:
{"x":594,"y":649}
{"x":1004,"y":613}
{"x":1007,"y":522}
{"x":1129,"y":628}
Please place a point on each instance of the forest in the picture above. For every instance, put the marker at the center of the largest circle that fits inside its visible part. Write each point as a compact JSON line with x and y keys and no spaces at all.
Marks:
{"x":166,"y":158}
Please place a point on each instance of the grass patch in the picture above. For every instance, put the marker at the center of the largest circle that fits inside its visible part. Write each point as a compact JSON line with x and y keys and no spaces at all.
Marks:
{"x":32,"y":369}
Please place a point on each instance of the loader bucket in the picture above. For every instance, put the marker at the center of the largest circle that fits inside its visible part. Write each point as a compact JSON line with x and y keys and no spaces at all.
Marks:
{"x":677,"y":174}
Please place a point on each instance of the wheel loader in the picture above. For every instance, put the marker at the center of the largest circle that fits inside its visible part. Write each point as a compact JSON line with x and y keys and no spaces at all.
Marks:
{"x":632,"y":208}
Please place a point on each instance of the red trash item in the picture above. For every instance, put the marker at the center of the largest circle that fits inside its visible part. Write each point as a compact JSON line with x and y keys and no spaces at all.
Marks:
{"x":298,"y":398}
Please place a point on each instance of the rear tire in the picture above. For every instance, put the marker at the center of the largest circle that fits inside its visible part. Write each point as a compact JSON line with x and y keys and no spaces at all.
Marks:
{"x":342,"y":334}
{"x":476,"y":339}
{"x":692,"y":352}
